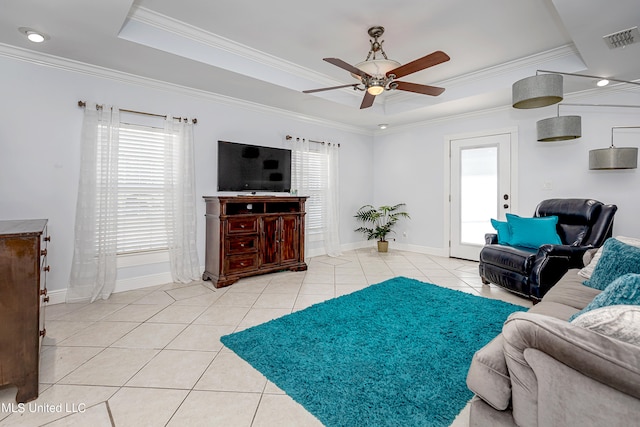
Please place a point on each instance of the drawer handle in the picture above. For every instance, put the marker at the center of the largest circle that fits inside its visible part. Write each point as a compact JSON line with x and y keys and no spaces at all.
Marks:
{"x":241,"y":225}
{"x":242,"y":245}
{"x":43,"y":252}
{"x":43,"y":291}
{"x":47,"y":268}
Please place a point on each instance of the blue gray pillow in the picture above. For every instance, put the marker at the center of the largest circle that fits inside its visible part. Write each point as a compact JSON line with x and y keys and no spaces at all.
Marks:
{"x":617,"y":259}
{"x":625,"y":290}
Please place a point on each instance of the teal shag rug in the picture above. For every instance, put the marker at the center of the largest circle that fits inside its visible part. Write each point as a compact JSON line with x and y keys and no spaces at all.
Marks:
{"x":393,"y":354}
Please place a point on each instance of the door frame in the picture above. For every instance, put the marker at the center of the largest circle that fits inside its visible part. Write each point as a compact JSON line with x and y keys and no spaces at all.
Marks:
{"x":513,"y":132}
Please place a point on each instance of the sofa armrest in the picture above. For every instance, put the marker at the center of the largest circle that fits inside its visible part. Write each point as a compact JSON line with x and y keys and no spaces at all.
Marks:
{"x":603,"y":359}
{"x":488,"y":376}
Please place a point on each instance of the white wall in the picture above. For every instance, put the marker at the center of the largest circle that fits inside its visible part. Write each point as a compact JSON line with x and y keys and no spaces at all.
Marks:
{"x":40,"y":125}
{"x":40,"y":151}
{"x":410,"y":168}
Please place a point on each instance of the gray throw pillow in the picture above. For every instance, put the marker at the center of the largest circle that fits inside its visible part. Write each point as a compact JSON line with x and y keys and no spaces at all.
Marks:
{"x":621,"y":322}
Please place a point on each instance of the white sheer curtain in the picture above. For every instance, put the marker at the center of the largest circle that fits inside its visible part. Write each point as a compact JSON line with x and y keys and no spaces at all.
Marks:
{"x":314,"y":173}
{"x":93,"y":270}
{"x":331,"y":207}
{"x":181,"y":212}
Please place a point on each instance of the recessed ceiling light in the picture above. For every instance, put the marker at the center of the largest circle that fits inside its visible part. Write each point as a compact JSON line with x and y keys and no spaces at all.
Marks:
{"x":33,"y":35}
{"x":602,"y":82}
{"x":383,"y":126}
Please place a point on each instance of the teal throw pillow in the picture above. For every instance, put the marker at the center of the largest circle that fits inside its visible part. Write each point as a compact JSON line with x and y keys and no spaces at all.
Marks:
{"x":625,"y":290}
{"x":533,"y":232}
{"x":616,"y":260}
{"x":503,"y":230}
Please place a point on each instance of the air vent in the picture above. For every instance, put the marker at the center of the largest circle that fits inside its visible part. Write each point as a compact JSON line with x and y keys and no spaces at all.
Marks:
{"x":622,"y":38}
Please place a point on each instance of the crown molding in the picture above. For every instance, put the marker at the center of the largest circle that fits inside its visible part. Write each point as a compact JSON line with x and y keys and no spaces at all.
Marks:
{"x":188,"y":31}
{"x":575,"y":96}
{"x":518,"y":65}
{"x":70,"y":65}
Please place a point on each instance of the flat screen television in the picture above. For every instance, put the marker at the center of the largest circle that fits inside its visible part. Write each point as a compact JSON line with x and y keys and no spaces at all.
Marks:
{"x":253,"y":168}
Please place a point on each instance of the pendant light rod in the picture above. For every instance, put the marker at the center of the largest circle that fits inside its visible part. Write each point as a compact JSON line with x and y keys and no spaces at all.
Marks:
{"x":587,"y":76}
{"x":595,"y":105}
{"x":621,"y":127}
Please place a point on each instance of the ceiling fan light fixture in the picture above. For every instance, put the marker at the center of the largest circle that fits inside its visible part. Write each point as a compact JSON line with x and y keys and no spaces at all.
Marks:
{"x":377,"y":67}
{"x":375,"y":90}
{"x":377,"y":75}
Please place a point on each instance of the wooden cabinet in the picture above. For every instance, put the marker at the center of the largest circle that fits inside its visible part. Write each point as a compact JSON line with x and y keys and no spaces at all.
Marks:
{"x":250,"y":235}
{"x":23,"y":290}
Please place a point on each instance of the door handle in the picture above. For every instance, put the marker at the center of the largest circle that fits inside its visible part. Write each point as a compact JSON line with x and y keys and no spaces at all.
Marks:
{"x":506,"y":206}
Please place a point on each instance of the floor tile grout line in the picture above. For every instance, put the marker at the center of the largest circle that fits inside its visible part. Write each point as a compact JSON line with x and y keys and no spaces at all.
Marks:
{"x":369,"y":264}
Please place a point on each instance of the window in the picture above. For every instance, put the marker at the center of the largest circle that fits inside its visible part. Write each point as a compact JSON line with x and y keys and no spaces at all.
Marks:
{"x":136,"y":197}
{"x":142,"y":183}
{"x":314,"y":165}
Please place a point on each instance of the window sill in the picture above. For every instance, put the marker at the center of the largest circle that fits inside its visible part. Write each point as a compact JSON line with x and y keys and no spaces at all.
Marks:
{"x":144,"y":258}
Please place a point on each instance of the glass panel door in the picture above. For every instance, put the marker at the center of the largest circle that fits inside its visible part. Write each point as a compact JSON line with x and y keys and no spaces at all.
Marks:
{"x":480,"y":190}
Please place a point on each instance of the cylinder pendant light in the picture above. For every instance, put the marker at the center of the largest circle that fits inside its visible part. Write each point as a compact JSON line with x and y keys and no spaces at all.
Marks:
{"x":614,"y":157}
{"x":537,"y":91}
{"x":559,"y":128}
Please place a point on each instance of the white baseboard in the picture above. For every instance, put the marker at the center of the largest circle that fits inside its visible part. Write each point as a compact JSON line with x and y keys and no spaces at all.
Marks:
{"x":392,"y":245}
{"x":122,"y":285}
{"x":140,"y":282}
{"x":57,"y":297}
{"x":421,"y":249}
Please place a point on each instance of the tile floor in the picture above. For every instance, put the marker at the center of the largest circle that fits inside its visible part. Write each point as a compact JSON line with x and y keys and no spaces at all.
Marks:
{"x":152,"y":357}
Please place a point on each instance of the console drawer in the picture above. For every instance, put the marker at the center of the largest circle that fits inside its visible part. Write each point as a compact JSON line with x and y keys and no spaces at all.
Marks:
{"x":241,"y":245}
{"x":242,"y":225}
{"x":238,"y":263}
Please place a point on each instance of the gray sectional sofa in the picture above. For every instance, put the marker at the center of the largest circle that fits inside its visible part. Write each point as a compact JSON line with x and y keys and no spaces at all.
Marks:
{"x":544,"y":371}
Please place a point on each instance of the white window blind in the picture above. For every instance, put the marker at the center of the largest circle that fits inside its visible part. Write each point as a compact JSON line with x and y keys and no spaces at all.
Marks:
{"x":316,"y":184}
{"x":143,"y":153}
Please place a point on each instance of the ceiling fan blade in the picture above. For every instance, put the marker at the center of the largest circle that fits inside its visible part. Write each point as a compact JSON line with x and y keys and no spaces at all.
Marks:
{"x":417,"y":88}
{"x":430,"y":60}
{"x":346,"y":66}
{"x":329,"y":88}
{"x":367,"y":101}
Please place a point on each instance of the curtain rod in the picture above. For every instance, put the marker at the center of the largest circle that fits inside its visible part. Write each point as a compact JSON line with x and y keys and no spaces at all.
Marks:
{"x":194,"y":121}
{"x":289,"y":137}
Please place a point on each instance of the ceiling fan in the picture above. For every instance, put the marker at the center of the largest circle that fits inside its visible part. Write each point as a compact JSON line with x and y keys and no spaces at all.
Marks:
{"x":378,"y":75}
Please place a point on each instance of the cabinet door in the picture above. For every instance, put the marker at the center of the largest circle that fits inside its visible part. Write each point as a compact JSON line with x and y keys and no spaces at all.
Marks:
{"x":270,"y":239}
{"x":289,"y":238}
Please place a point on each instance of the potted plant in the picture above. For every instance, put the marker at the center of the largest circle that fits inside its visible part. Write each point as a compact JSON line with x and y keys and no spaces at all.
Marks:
{"x":378,"y":222}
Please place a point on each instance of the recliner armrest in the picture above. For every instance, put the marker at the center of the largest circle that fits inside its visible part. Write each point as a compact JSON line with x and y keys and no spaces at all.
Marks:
{"x":573,"y":253}
{"x":491,"y":238}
